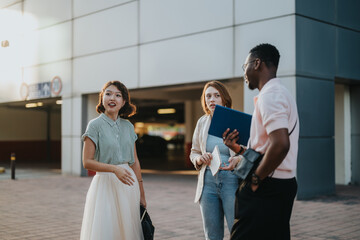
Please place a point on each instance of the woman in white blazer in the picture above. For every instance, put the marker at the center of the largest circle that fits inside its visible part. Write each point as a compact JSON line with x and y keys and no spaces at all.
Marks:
{"x":216,"y":194}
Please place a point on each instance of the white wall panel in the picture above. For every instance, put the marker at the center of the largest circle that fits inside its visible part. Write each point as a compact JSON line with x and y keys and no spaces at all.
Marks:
{"x":66,"y":117}
{"x":92,"y":72}
{"x":66,"y":139}
{"x":76,"y":117}
{"x":248,"y":11}
{"x":10,"y":71}
{"x":76,"y":135}
{"x":42,"y":13}
{"x":66,"y":153}
{"x":11,"y":57}
{"x":71,"y":136}
{"x":342,"y":134}
{"x":279,"y":32}
{"x":167,"y":18}
{"x":11,"y":22}
{"x":76,"y":156}
{"x":10,"y":91}
{"x":45,"y":73}
{"x":113,"y":28}
{"x":48,"y":45}
{"x":82,"y":7}
{"x":5,"y":3}
{"x":194,"y":58}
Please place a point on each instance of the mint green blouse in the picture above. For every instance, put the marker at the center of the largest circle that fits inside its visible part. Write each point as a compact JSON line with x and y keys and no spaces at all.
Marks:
{"x":114,"y":140}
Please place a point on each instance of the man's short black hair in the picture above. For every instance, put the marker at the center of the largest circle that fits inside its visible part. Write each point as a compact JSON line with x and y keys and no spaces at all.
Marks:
{"x":266,"y":53}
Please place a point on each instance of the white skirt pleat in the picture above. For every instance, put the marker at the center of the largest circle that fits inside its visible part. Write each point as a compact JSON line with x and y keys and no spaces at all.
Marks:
{"x":112,"y":209}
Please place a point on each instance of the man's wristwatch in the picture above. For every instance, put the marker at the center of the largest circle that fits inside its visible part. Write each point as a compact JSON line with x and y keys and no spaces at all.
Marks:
{"x":240,"y":151}
{"x":255,"y":179}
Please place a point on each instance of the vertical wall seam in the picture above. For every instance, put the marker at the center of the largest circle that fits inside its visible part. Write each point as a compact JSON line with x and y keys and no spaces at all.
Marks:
{"x":233,"y":38}
{"x":138,"y":44}
{"x":22,"y":39}
{"x":72,"y":87}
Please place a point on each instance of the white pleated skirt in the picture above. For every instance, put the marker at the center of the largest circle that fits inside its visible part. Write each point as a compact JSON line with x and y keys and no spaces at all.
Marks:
{"x":112,"y":209}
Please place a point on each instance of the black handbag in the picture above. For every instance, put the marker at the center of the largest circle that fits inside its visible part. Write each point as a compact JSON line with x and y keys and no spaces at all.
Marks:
{"x":146,"y":224}
{"x":250,"y":161}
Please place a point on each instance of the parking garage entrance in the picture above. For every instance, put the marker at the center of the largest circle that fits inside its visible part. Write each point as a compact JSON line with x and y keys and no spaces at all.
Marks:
{"x":32,"y":131}
{"x":161,"y":136}
{"x":165,"y":121}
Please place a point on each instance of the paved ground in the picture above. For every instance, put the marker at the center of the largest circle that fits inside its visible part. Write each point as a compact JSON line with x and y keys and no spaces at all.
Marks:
{"x":47,"y":205}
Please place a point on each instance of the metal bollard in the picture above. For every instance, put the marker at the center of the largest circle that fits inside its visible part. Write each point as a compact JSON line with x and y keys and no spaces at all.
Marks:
{"x":12,"y":165}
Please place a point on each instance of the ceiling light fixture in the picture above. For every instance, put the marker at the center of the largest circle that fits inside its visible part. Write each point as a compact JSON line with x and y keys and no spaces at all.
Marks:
{"x":30,"y":105}
{"x":166,"y":111}
{"x":139,"y":124}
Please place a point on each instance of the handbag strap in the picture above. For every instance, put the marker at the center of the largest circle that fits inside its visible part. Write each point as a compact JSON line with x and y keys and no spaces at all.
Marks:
{"x":142,"y":217}
{"x":293,"y":128}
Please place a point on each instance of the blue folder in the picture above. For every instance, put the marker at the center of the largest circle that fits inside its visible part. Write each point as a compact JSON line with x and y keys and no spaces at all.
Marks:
{"x":224,"y":118}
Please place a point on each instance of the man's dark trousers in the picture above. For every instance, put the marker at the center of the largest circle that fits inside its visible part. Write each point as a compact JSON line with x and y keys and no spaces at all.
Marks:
{"x":265,"y":213}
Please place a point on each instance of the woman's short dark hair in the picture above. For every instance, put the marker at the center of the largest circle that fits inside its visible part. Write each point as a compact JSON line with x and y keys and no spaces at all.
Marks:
{"x":224,"y":94}
{"x":128,"y":109}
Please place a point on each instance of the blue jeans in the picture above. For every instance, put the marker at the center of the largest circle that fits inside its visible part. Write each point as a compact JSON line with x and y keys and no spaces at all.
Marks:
{"x":217,"y":200}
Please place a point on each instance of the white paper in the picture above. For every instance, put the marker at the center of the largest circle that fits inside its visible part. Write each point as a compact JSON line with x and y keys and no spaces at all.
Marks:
{"x":216,"y":161}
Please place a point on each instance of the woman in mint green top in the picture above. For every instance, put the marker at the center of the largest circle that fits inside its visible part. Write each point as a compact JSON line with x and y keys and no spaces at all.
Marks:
{"x":112,"y":203}
{"x":110,"y":146}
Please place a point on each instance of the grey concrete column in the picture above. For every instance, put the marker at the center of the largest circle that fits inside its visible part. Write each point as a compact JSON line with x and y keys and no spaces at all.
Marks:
{"x":71,"y":136}
{"x":355,"y":133}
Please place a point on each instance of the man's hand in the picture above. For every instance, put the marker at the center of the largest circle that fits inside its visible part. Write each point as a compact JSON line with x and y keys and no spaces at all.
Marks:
{"x":230,"y":139}
{"x":254,"y":187}
{"x":233,"y":162}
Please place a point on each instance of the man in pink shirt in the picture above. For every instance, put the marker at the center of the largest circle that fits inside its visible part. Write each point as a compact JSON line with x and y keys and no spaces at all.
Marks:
{"x":264,"y":201}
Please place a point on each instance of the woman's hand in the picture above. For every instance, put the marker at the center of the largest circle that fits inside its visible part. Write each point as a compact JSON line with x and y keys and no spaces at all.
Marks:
{"x":204,"y":159}
{"x":123,"y":175}
{"x":143,"y":201}
{"x":233,"y":162}
{"x":230,"y":139}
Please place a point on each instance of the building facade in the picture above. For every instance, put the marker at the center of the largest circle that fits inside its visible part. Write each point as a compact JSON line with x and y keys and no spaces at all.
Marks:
{"x":164,"y":51}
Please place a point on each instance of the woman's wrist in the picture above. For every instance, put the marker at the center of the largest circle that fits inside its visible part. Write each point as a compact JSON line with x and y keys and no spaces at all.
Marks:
{"x":198,"y":162}
{"x":238,"y":161}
